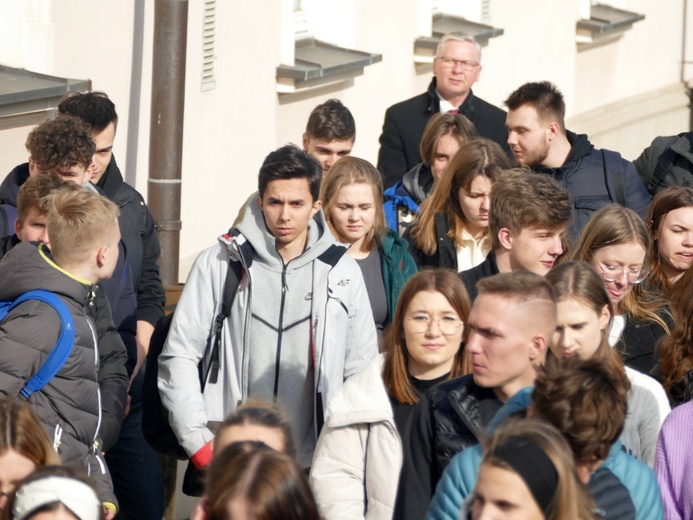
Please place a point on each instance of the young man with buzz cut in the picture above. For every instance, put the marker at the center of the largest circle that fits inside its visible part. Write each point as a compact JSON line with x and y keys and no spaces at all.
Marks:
{"x":84,"y":238}
{"x":530,"y":214}
{"x":510,"y":326}
{"x":300,"y":323}
{"x":593,"y":177}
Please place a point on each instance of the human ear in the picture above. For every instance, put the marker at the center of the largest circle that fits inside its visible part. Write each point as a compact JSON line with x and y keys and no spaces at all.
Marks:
{"x":505,"y":237}
{"x":316,"y":207}
{"x":604,"y":317}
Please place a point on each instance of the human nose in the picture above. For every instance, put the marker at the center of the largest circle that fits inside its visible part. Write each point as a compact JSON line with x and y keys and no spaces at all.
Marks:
{"x":557,"y":246}
{"x":485,"y":203}
{"x":433,"y":329}
{"x":284,"y":214}
{"x":512,"y":138}
{"x":565,"y":339}
{"x":688,"y":239}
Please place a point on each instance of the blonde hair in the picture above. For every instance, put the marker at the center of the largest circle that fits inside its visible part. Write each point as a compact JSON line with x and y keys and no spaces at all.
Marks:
{"x":612,"y":225}
{"x":347,"y":171}
{"x":475,"y":158}
{"x":78,"y":222}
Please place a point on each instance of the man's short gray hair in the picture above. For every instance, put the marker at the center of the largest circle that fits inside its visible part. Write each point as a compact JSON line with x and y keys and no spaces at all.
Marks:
{"x":457,"y":37}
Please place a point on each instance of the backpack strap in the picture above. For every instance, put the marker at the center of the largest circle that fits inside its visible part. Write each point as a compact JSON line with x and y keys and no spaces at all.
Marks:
{"x":613,"y":168}
{"x":666,"y":161}
{"x":63,"y":347}
{"x":234,"y":275}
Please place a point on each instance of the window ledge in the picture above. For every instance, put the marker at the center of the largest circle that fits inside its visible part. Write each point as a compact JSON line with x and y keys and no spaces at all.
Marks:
{"x":606,"y":24}
{"x":27,"y":97}
{"x":425,"y":46}
{"x":318,"y":63}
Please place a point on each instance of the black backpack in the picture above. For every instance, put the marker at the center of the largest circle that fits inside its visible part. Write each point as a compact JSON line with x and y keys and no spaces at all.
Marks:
{"x":155,"y":426}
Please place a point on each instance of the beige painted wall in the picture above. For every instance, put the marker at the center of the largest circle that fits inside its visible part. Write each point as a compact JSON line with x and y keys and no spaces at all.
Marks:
{"x":622,"y":94}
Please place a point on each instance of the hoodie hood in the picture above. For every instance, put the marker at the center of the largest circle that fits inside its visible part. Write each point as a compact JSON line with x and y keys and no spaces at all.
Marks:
{"x":28,"y":267}
{"x":264,"y":244}
{"x":10,"y":186}
{"x":580,"y":147}
{"x":418,"y":182}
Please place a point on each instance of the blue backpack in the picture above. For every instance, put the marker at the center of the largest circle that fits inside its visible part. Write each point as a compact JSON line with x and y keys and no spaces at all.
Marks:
{"x":63,"y":347}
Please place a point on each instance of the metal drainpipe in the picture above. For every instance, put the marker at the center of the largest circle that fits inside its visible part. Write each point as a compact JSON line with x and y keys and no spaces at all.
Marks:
{"x":685,"y":62}
{"x":166,"y":130}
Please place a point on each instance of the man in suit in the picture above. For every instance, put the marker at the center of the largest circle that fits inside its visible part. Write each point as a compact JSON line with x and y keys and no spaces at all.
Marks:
{"x":456,"y":67}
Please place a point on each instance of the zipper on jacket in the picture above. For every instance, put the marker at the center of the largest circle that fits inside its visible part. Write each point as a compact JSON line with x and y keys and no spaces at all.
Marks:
{"x":98,"y":387}
{"x":57,"y":435}
{"x":280,"y":331}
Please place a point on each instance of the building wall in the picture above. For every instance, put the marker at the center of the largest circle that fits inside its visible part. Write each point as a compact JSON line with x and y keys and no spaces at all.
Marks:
{"x":622,"y":93}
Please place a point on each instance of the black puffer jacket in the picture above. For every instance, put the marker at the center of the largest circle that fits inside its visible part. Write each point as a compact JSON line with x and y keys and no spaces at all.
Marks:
{"x":138,"y":233}
{"x":449,"y":418}
{"x":69,"y":406}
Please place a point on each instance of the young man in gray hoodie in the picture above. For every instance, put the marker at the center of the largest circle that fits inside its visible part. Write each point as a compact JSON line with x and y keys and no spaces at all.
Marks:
{"x":300,"y":323}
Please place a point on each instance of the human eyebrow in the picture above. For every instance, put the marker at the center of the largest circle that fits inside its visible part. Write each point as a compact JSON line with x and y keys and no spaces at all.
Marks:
{"x":104,"y":150}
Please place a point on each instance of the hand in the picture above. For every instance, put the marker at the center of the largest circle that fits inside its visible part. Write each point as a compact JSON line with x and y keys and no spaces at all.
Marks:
{"x":108,"y":513}
{"x":143,"y":337}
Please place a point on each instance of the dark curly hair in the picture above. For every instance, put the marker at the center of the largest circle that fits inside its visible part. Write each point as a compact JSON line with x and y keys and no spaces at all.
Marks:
{"x":61,"y":143}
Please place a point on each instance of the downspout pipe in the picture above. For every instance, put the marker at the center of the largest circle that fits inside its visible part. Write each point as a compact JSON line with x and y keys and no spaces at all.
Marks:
{"x":166,"y":130}
{"x":685,"y":62}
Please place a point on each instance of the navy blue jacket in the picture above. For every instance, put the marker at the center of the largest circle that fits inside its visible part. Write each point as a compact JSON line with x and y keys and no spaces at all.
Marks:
{"x":590,"y":186}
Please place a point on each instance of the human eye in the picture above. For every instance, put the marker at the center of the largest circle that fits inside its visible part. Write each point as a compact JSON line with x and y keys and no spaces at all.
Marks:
{"x":366,"y":206}
{"x":578,"y":326}
{"x":450,"y":319}
{"x":504,"y":505}
{"x":610,"y":268}
{"x":420,"y":318}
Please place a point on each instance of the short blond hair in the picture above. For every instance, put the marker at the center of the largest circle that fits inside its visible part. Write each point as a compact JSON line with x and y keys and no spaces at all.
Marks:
{"x":78,"y":222}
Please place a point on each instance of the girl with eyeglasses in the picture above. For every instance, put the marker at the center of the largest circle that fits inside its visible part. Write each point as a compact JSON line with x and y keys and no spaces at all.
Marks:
{"x":358,"y":457}
{"x":616,"y":244}
{"x":584,"y":312}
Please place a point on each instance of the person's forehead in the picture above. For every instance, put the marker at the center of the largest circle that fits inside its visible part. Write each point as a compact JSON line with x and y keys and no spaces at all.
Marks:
{"x":334,"y":144}
{"x":454,"y":47}
{"x":287,"y":189}
{"x":105,"y":137}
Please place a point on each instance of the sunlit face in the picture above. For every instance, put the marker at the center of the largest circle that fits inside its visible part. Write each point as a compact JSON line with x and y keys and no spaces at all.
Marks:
{"x":475,"y":203}
{"x":33,"y":228}
{"x":579,"y":329}
{"x":431,"y":353}
{"x":500,"y":346}
{"x":452,"y":81}
{"x":445,"y":150}
{"x":14,"y":467}
{"x":675,"y":242}
{"x":529,"y":137}
{"x":629,"y":256}
{"x":288,"y":206}
{"x":272,"y":437}
{"x":535,"y":249}
{"x":104,"y":151}
{"x":353,"y":212}
{"x":501,"y":494}
{"x":327,"y":152}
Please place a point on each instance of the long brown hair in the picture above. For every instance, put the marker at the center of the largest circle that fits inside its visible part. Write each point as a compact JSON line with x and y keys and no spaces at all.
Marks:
{"x":666,"y":201}
{"x":21,"y":431}
{"x":474,"y":158}
{"x":440,"y":125}
{"x":613,"y":225}
{"x":270,"y":484}
{"x":579,"y":281}
{"x":395,"y":369}
{"x":676,"y":349}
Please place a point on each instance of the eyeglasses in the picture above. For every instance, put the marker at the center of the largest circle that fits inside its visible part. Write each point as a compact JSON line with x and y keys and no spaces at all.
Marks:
{"x":612,"y":273}
{"x":447,"y":325}
{"x":451,"y":62}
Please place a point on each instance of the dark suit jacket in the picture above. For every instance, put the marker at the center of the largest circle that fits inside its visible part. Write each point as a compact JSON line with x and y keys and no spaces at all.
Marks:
{"x":405,"y":122}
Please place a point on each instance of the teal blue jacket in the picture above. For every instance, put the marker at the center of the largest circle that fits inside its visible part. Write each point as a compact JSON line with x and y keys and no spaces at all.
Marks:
{"x":397,"y":266}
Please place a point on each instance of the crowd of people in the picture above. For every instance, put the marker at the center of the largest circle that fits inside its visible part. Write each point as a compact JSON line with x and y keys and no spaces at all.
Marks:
{"x":494,"y":322}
